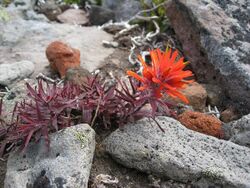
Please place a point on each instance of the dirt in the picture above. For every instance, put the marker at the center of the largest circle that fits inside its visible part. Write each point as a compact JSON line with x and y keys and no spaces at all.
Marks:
{"x":126,"y":177}
{"x":115,"y":65}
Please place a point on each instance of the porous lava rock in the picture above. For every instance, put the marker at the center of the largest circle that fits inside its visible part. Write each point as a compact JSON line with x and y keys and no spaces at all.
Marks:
{"x":99,"y":15}
{"x":202,"y":123}
{"x":180,"y":154}
{"x":12,"y":72}
{"x":66,"y":164}
{"x":196,"y":95}
{"x":123,"y":9}
{"x":229,"y":114}
{"x":238,"y":131}
{"x":62,"y":57}
{"x":49,"y":8}
{"x":77,"y":75}
{"x":215,"y":38}
{"x":215,"y":95}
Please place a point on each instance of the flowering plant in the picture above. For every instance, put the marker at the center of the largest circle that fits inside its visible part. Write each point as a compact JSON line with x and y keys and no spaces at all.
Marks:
{"x":50,"y":107}
{"x":165,"y":74}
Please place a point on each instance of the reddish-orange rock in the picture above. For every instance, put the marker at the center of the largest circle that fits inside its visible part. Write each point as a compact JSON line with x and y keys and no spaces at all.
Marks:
{"x":206,"y":124}
{"x":229,"y":115}
{"x":196,"y":95}
{"x":62,"y":57}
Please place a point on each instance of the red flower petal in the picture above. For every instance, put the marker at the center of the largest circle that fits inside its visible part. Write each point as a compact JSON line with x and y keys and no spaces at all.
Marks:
{"x":136,"y":76}
{"x":165,"y":74}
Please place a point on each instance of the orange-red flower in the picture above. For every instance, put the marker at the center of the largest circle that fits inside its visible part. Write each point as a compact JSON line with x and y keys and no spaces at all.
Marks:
{"x":165,"y":74}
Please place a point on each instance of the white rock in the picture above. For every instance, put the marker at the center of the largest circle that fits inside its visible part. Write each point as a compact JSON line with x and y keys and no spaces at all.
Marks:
{"x":180,"y":154}
{"x":15,"y":71}
{"x":67,"y":164}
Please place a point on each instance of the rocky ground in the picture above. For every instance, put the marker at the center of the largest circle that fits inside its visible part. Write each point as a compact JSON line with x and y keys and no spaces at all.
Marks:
{"x":3,"y":170}
{"x":196,"y":150}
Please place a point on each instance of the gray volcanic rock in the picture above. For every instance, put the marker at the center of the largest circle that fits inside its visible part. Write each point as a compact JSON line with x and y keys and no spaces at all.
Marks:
{"x":67,"y":164}
{"x":180,"y":154}
{"x":215,"y":36}
{"x":99,"y":15}
{"x":15,"y":71}
{"x":215,"y":94}
{"x":18,"y":93}
{"x":49,"y":8}
{"x":238,"y":131}
{"x":124,"y":9}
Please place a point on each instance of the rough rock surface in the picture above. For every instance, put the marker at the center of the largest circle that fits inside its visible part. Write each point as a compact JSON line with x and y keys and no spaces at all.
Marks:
{"x":27,"y":39}
{"x":25,"y":9}
{"x":67,"y":164}
{"x":238,"y":131}
{"x":206,"y":124}
{"x":73,"y":16}
{"x":50,"y":9}
{"x":32,"y":15}
{"x":15,"y":71}
{"x":229,"y":114}
{"x":180,"y":154}
{"x":17,"y":93}
{"x":62,"y":57}
{"x":99,"y":15}
{"x":215,"y":94}
{"x":124,"y":9}
{"x":77,"y":76}
{"x":197,"y":96}
{"x":215,"y":38}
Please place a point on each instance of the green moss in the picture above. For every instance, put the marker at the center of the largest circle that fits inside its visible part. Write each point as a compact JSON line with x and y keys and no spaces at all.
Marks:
{"x":4,"y":16}
{"x":80,"y":136}
{"x":212,"y":174}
